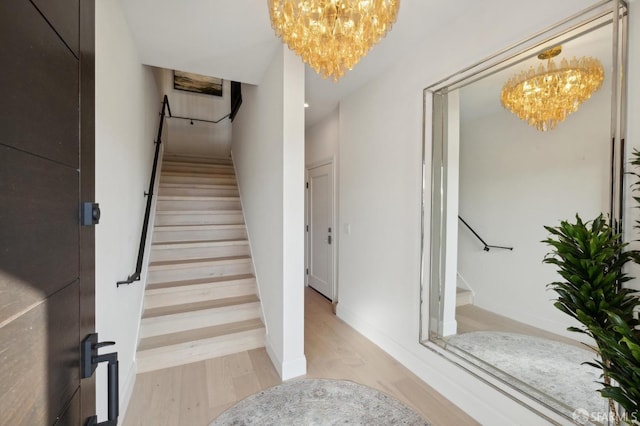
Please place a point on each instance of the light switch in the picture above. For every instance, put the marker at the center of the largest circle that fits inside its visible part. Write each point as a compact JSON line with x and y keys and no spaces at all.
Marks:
{"x":347,"y":228}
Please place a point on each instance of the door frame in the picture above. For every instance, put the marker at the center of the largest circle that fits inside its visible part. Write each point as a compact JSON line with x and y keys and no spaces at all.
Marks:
{"x":334,"y":234}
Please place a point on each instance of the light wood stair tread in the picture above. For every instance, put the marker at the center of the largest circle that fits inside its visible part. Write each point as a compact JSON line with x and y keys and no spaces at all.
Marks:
{"x":181,"y":163}
{"x":198,"y":212}
{"x":199,"y":334}
{"x":197,"y":281}
{"x":199,"y":159}
{"x":199,"y":306}
{"x":198,"y":227}
{"x":197,"y":198}
{"x":199,"y":243}
{"x":200,"y":173}
{"x":199,"y":185}
{"x":229,"y":259}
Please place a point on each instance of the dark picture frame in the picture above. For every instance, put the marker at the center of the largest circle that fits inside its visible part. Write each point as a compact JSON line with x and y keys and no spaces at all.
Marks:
{"x":196,"y":83}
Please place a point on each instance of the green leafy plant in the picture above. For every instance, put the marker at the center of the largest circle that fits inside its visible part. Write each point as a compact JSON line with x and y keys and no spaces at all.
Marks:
{"x":621,"y":347}
{"x":590,"y":257}
{"x":635,"y":162}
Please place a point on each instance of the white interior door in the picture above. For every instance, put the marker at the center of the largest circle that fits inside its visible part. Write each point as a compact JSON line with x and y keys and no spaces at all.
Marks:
{"x":321,"y":229}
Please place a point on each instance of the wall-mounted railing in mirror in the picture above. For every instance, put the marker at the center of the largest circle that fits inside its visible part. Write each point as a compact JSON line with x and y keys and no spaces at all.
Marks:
{"x":483,"y":161}
{"x":486,"y":246}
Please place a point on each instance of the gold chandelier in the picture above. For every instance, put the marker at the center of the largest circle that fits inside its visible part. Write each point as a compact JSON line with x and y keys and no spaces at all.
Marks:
{"x":546,"y":96}
{"x":332,"y":35}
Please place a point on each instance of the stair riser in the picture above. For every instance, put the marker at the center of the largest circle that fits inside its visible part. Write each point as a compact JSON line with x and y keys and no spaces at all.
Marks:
{"x":198,"y":293}
{"x":158,"y":255}
{"x":177,"y":205}
{"x":464,"y":298}
{"x":200,"y":235}
{"x":186,"y":168}
{"x":170,"y":158}
{"x":161,"y":276}
{"x":199,"y":219}
{"x":171,"y":356}
{"x":231,"y":191}
{"x":167,"y":324}
{"x":197,"y":180}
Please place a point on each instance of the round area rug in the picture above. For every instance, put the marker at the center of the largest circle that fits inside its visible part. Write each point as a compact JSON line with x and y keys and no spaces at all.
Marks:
{"x":548,"y":370}
{"x":319,"y":402}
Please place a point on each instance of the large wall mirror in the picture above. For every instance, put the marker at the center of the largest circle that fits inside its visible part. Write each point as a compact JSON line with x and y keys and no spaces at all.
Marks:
{"x":496,"y":180}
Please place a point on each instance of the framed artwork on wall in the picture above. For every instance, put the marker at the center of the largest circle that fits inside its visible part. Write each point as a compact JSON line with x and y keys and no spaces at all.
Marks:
{"x":197,"y":83}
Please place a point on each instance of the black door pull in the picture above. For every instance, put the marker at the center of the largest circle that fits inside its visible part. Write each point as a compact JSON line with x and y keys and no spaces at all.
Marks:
{"x":89,"y":361}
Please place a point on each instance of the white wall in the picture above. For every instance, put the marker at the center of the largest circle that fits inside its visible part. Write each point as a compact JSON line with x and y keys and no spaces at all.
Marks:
{"x":321,"y":146}
{"x":127,"y":105}
{"x":268,"y":151}
{"x":321,"y":139}
{"x":514,"y":180}
{"x":380,"y":187}
{"x":199,"y":138}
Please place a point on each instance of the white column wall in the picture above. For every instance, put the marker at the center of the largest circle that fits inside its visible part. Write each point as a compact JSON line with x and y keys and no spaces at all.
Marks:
{"x":268,"y":151}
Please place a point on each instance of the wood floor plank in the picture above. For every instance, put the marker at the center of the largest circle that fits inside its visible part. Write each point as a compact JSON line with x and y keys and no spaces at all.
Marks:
{"x":472,"y":318}
{"x":219,"y":383}
{"x":161,"y":403}
{"x":263,"y":368}
{"x":194,"y":399}
{"x":239,"y":364}
{"x":246,"y":385}
{"x":333,"y":350}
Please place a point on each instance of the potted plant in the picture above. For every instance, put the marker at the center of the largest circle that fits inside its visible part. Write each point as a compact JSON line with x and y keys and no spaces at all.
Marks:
{"x":591,"y":257}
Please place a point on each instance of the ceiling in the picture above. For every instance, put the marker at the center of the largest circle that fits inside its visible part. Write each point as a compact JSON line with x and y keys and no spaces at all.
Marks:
{"x":233,"y":39}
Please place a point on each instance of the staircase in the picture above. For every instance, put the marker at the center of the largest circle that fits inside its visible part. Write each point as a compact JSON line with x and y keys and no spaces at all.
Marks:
{"x":464,"y":295}
{"x":201,"y":297}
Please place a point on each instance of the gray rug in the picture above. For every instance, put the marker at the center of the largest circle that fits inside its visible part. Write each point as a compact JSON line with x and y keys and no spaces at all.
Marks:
{"x":319,"y":402}
{"x":550,"y":371}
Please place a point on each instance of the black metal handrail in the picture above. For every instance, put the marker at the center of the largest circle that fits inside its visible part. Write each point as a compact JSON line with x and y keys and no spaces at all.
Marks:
{"x":166,"y":108}
{"x":200,"y":119}
{"x":486,"y":246}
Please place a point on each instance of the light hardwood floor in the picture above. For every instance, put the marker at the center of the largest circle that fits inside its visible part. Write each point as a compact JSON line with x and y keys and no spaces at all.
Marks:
{"x":471,"y":318}
{"x":196,"y":393}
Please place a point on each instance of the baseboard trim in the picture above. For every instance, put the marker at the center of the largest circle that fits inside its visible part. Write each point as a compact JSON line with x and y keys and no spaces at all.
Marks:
{"x":294,"y":368}
{"x":286,"y":369}
{"x":127,"y":391}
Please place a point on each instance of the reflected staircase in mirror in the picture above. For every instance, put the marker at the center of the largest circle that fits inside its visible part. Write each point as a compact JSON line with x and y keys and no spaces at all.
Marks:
{"x":201,"y":299}
{"x":463,"y":297}
{"x":464,"y":294}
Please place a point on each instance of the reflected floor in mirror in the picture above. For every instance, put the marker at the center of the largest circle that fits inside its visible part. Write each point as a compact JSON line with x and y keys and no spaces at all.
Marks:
{"x":544,"y":365}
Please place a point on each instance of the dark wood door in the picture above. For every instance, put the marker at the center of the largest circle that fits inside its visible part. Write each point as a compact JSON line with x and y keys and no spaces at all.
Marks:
{"x":46,"y":171}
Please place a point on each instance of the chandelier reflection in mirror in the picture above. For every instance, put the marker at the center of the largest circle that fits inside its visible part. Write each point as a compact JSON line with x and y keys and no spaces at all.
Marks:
{"x":546,"y":96}
{"x":332,"y":35}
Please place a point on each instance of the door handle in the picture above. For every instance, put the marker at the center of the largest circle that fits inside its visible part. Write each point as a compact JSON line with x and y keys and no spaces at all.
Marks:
{"x":329,"y":239}
{"x":89,"y":359}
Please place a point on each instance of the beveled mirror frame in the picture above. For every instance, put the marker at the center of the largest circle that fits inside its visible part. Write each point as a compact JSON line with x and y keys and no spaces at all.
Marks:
{"x":434,"y":204}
